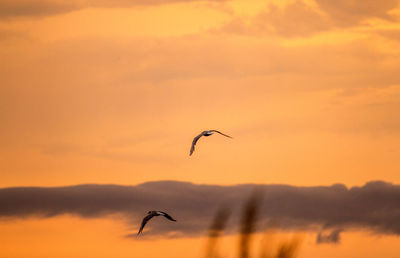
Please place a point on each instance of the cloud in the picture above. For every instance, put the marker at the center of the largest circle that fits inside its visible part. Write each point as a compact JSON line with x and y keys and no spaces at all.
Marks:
{"x":9,"y":8}
{"x":349,"y":13}
{"x":392,"y":34}
{"x":332,"y":237}
{"x":300,"y":19}
{"x":296,"y":19}
{"x":192,"y":57}
{"x":24,"y":8}
{"x":373,"y":206}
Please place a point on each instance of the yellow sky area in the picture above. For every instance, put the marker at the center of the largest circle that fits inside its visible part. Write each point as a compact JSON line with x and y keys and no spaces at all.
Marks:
{"x":159,"y":21}
{"x":171,"y":20}
{"x":67,"y":236}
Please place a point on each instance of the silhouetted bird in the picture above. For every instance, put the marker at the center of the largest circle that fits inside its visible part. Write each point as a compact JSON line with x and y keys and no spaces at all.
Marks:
{"x":204,"y":133}
{"x":151,"y":214}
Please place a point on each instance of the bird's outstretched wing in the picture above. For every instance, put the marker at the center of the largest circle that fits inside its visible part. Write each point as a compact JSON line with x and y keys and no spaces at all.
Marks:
{"x":221,"y":133}
{"x":144,"y":221}
{"x":194,"y":143}
{"x":167,"y":216}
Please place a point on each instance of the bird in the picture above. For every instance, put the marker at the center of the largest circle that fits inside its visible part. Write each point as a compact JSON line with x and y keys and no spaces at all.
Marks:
{"x":150,"y":215}
{"x":204,"y":133}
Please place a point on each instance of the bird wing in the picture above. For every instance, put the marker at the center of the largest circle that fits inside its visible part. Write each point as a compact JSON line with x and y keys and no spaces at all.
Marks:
{"x":221,"y":133}
{"x":144,"y":221}
{"x":194,"y":143}
{"x":167,"y":216}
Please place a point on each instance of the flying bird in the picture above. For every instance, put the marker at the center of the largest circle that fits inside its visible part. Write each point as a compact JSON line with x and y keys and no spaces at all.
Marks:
{"x":150,"y":215}
{"x":204,"y":133}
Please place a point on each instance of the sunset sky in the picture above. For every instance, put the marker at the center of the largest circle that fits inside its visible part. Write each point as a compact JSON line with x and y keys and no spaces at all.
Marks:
{"x":112,"y":92}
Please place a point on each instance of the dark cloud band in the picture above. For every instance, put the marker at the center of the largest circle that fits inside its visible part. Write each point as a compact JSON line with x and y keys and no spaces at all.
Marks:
{"x":374,"y":206}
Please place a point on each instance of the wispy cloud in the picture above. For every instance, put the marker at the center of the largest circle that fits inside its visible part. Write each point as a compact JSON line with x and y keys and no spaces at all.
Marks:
{"x":26,"y":8}
{"x":348,"y":13}
{"x":296,"y":19}
{"x":301,"y":19}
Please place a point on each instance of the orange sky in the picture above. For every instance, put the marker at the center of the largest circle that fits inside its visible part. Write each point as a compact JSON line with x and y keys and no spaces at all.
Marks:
{"x":112,"y":92}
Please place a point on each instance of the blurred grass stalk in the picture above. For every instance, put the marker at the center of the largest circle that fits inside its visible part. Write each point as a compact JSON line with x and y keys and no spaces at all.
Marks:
{"x":248,"y":227}
{"x":248,"y":223}
{"x":216,"y":229}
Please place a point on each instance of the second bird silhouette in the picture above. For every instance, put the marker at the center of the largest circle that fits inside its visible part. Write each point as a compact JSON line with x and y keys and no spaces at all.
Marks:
{"x":151,"y":214}
{"x":204,"y":133}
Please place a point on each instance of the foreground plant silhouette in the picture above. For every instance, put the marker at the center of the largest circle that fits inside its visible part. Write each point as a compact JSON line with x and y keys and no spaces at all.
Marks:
{"x":286,"y":249}
{"x":217,"y":226}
